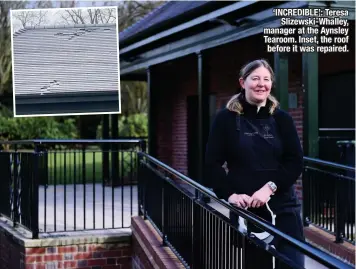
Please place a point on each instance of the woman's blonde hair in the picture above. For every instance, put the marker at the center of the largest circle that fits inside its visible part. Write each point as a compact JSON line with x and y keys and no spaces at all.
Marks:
{"x":234,"y":103}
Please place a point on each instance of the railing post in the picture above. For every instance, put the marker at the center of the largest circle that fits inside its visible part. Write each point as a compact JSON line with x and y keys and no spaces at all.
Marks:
{"x":196,"y":229}
{"x":143,"y":145}
{"x":5,"y":183}
{"x":339,"y":213}
{"x":306,"y":197}
{"x":141,"y":188}
{"x":15,"y":191}
{"x":34,"y":194}
{"x":84,"y":164}
{"x":139,"y":183}
{"x":164,"y":215}
{"x":42,"y":164}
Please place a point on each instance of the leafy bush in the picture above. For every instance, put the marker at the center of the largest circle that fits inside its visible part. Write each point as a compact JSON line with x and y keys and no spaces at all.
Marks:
{"x":135,"y":125}
{"x":35,"y":127}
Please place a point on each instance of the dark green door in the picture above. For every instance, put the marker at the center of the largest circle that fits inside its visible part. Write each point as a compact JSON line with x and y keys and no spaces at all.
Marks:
{"x":336,"y":113}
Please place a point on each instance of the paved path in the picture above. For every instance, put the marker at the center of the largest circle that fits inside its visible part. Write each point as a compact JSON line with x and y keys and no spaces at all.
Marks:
{"x":69,"y":211}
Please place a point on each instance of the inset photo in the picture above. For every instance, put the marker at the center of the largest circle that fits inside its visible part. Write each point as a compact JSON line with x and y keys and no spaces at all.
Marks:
{"x":65,"y":61}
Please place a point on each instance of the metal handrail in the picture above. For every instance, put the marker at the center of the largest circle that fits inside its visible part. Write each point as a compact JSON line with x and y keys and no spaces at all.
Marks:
{"x":330,"y":164}
{"x":337,"y":129}
{"x":70,"y":141}
{"x":319,"y":256}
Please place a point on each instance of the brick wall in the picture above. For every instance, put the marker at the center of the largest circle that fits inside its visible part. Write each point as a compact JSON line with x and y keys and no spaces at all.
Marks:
{"x":88,"y":256}
{"x":163,"y":115}
{"x":180,"y":81}
{"x":87,"y":252}
{"x":295,"y":86}
{"x":140,"y":259}
{"x":12,"y":255}
{"x":185,"y":85}
{"x":147,"y":249}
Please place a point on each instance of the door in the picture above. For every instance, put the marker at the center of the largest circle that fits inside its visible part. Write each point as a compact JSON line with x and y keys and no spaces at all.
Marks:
{"x":336,"y":113}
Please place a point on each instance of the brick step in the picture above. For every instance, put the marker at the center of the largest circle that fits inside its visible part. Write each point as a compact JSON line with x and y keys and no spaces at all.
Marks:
{"x":325,"y":241}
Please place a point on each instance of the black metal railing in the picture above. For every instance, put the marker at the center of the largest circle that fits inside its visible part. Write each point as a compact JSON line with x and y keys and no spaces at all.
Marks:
{"x":329,"y":149}
{"x":73,"y":184}
{"x":202,"y":236}
{"x":18,"y":183}
{"x":329,"y":198}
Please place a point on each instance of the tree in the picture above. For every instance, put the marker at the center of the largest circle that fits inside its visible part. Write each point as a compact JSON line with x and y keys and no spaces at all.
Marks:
{"x":134,"y":97}
{"x":88,"y":16}
{"x":130,"y":12}
{"x":133,"y":94}
{"x":5,"y":44}
{"x":25,"y":19}
{"x":31,"y":18}
{"x":64,"y":4}
{"x":22,"y":19}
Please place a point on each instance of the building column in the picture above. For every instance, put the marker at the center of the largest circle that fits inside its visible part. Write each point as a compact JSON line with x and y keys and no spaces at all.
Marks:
{"x":310,"y":122}
{"x":281,"y":79}
{"x":115,"y":150}
{"x":310,"y":112}
{"x":105,"y":148}
{"x":152,"y":147}
{"x":203,"y":113}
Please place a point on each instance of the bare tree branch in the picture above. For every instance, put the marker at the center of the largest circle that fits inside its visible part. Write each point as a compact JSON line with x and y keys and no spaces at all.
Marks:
{"x":42,"y":4}
{"x":67,"y":4}
{"x":30,"y":18}
{"x":41,"y":17}
{"x":134,"y":99}
{"x":89,"y":16}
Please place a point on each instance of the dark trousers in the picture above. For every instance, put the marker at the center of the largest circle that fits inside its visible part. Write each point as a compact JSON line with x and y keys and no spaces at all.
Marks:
{"x":288,"y":222}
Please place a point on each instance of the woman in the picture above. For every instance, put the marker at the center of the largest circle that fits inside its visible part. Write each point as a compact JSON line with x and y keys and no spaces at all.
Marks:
{"x":261,"y":148}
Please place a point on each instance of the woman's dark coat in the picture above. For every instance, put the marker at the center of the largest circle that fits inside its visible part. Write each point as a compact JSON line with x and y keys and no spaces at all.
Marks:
{"x":258,"y":147}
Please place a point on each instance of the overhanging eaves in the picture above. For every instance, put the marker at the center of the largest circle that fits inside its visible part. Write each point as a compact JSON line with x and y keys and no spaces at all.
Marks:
{"x":181,"y":48}
{"x":67,"y":103}
{"x":185,"y":26}
{"x":251,"y":25}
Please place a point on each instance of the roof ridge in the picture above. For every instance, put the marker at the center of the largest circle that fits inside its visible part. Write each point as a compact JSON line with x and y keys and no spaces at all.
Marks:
{"x":69,"y":26}
{"x":23,"y":30}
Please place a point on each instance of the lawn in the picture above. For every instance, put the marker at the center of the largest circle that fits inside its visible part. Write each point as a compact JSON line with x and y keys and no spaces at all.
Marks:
{"x":70,"y":166}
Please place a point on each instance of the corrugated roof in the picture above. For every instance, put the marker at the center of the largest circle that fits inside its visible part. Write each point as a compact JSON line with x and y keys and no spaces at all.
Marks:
{"x":65,"y":59}
{"x":163,"y":13}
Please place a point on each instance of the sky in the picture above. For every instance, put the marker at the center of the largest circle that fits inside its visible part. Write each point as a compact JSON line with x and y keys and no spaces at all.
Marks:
{"x":50,"y":17}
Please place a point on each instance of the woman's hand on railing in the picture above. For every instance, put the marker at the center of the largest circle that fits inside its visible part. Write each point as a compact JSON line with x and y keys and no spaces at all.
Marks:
{"x":260,"y":197}
{"x":240,"y":200}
